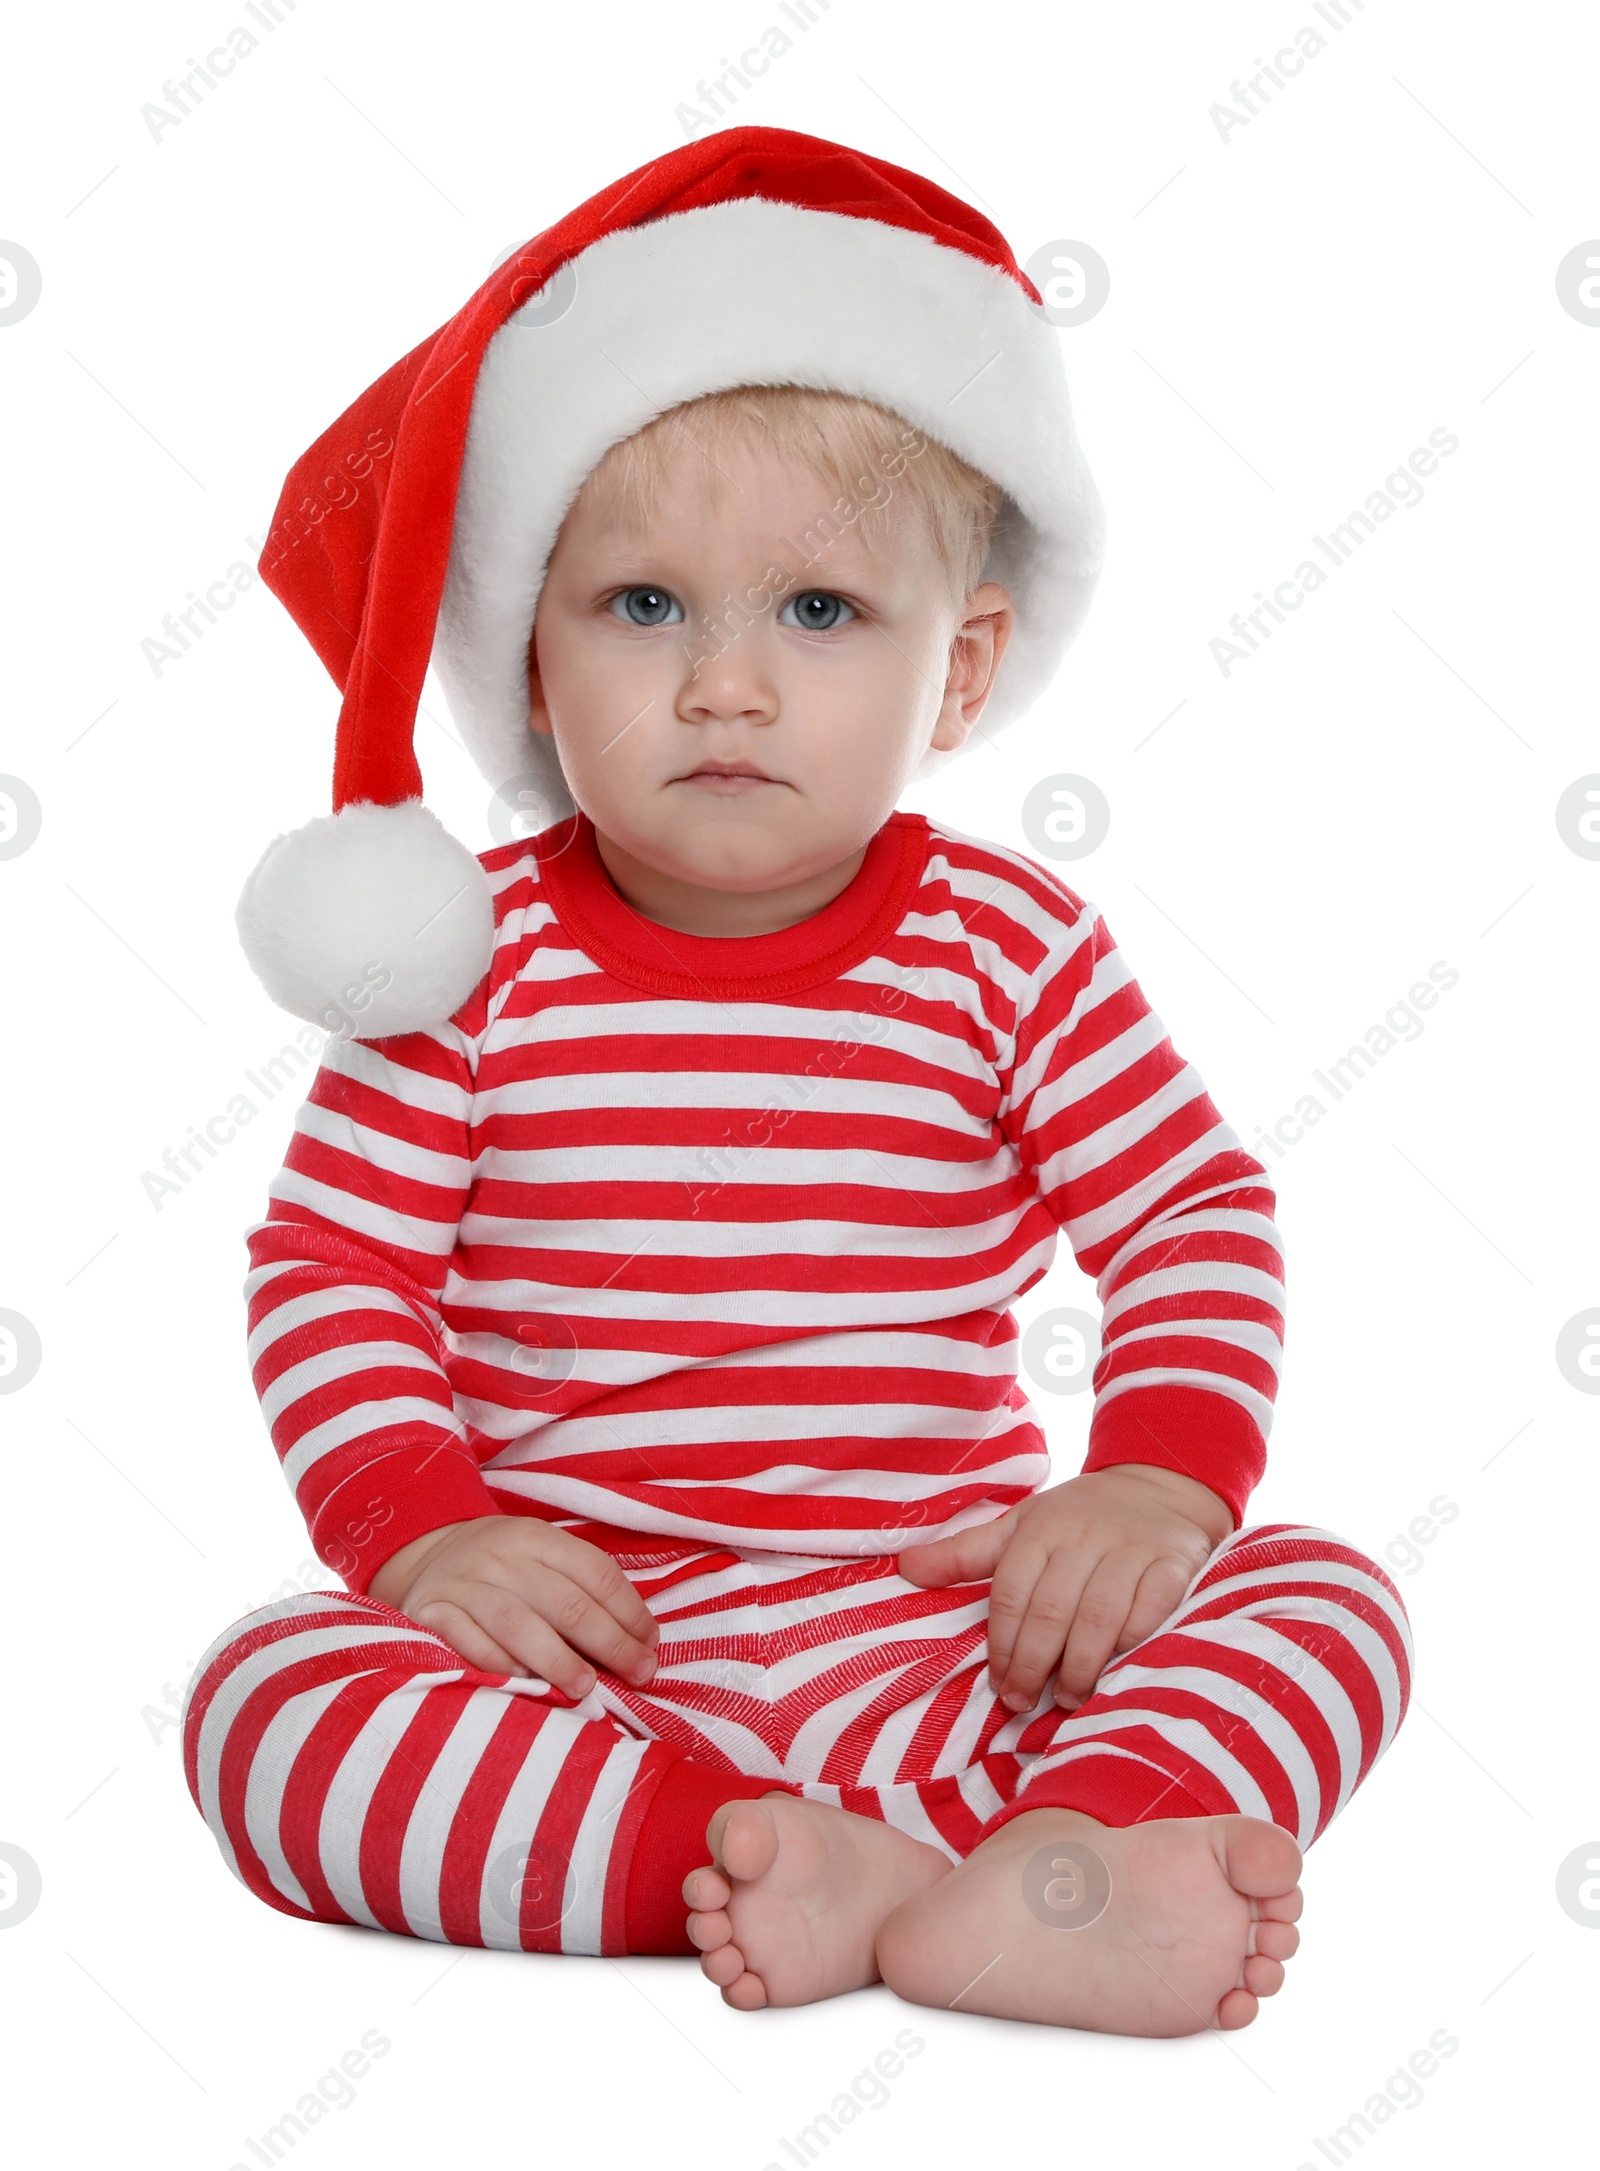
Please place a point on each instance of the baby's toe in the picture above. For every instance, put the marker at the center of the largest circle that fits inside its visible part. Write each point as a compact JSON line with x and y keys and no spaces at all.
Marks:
{"x":706,"y":1888}
{"x":1278,"y":1940}
{"x":1281,"y":1906}
{"x":723,"y":1964}
{"x":1261,"y":1859}
{"x":1263,"y":1977}
{"x":716,"y":1827}
{"x":708,"y":1931}
{"x":747,"y":1995}
{"x":725,"y":1967}
{"x":749,"y":1841}
{"x":1236,"y":2010}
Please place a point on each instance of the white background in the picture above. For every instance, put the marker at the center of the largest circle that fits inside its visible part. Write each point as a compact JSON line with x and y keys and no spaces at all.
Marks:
{"x":1292,"y":310}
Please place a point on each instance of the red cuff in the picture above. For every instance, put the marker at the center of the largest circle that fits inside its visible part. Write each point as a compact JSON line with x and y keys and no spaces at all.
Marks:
{"x":672,"y":1841}
{"x":387,"y":1503}
{"x":1197,"y":1431}
{"x":1114,"y":1790}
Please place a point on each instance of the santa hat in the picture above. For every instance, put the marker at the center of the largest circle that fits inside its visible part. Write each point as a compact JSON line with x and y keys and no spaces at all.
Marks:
{"x":418,"y":527}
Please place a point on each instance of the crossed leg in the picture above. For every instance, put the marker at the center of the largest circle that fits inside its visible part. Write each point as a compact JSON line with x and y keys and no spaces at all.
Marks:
{"x":1249,"y":1718}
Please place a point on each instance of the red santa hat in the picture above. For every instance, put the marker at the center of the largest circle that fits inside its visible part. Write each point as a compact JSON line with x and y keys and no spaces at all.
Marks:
{"x":418,"y":527}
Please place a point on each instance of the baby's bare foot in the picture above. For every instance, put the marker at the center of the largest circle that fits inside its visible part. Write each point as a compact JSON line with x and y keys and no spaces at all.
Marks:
{"x":1199,"y":1922}
{"x":792,"y":1903}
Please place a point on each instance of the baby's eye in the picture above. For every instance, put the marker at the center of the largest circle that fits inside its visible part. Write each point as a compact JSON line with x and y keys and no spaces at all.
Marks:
{"x":646,"y":607}
{"x":816,"y":611}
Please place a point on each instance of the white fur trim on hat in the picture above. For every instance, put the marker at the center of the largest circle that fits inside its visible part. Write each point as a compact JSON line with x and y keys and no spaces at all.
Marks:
{"x":754,"y":292}
{"x":371,"y":921}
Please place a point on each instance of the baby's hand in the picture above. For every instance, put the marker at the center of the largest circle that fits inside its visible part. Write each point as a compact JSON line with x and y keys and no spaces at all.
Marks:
{"x":513,"y":1594}
{"x":1079,"y":1572}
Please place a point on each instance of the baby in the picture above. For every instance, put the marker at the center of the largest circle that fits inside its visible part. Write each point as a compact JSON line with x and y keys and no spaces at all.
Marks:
{"x":637,"y":1339}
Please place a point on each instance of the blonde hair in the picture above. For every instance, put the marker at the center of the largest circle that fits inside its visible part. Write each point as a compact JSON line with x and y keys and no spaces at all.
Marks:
{"x":861,"y":452}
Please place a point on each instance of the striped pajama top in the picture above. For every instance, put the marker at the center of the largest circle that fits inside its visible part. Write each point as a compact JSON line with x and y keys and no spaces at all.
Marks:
{"x":716,"y":1237}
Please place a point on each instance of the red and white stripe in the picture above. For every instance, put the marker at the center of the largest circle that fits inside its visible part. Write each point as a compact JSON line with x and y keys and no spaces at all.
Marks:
{"x":738,"y":1270}
{"x":354,"y":1769}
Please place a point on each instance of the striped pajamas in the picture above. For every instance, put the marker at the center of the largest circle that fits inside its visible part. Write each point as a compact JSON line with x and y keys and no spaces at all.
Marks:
{"x":354,"y":1769}
{"x":704,"y":1249}
{"x":727,"y":1255}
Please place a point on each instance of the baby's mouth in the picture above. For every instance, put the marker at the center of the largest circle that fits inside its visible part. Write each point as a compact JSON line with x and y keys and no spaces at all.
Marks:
{"x":727,"y":777}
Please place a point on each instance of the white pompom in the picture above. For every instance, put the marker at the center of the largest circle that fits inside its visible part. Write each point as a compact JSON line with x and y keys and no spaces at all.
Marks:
{"x":371,"y":921}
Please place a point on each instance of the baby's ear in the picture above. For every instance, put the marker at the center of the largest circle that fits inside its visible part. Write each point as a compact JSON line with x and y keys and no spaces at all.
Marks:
{"x":538,"y":711}
{"x":988,"y":617}
{"x":953,"y":725}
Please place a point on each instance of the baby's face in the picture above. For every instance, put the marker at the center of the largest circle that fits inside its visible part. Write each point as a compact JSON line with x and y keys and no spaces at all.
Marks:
{"x":733,"y":725}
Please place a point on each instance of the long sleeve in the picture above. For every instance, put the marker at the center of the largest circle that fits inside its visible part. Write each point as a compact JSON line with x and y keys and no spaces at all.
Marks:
{"x":1163,"y":1206}
{"x":343,"y":1293}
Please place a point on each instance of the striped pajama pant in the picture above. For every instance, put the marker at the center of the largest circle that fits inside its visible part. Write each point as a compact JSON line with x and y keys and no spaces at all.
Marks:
{"x":354,"y":1769}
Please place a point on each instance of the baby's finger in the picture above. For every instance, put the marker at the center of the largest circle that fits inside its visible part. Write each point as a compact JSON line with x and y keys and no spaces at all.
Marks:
{"x":1010,"y":1593}
{"x":1096,"y":1624}
{"x":455,"y":1626}
{"x":532,"y":1637}
{"x":967,"y":1557}
{"x":585,"y":1624}
{"x":1157,"y":1598}
{"x":596,"y":1572}
{"x":1042,"y":1633}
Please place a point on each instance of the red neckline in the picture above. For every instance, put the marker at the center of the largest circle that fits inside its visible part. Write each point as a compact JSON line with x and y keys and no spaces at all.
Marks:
{"x":665,"y":961}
